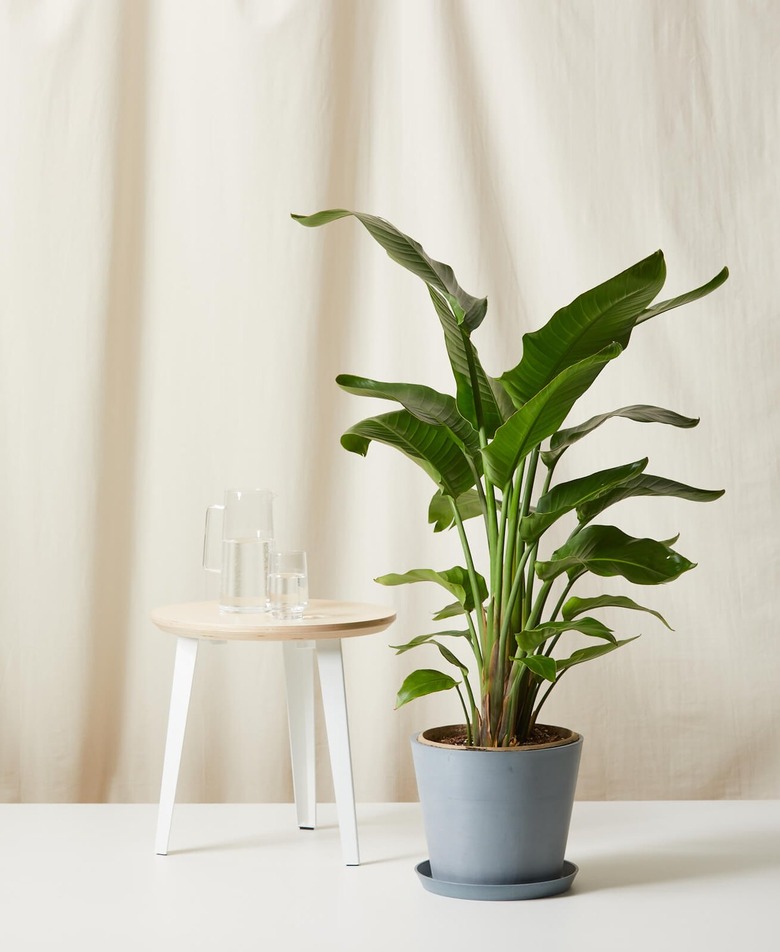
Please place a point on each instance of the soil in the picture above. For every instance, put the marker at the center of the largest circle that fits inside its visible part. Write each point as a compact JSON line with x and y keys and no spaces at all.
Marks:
{"x":541,"y":734}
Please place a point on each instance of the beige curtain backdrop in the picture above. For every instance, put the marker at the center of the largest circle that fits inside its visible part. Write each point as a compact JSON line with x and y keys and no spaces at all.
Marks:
{"x":168,"y":331}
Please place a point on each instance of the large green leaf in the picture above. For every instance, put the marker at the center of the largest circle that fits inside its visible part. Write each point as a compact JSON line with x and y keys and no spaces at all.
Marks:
{"x":567,"y":496}
{"x":541,"y":416}
{"x":687,"y":298}
{"x":421,"y":682}
{"x":577,"y":606}
{"x":454,"y":580}
{"x":432,"y":640}
{"x":428,"y":405}
{"x":644,"y":485}
{"x":585,"y":327}
{"x":425,"y":639}
{"x":441,"y":514}
{"x":449,"y":611}
{"x":459,"y":312}
{"x":431,"y":447}
{"x":530,"y":638}
{"x":411,"y":255}
{"x":540,"y":665}
{"x":588,"y":654}
{"x":607,"y":551}
{"x":640,"y":413}
{"x":494,"y":402}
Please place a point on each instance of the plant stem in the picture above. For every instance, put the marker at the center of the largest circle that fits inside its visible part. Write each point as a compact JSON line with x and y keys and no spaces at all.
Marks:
{"x":554,"y":641}
{"x":472,"y":702}
{"x":510,"y":520}
{"x":529,"y":589}
{"x":465,"y":713}
{"x":517,"y":582}
{"x":538,"y":606}
{"x":545,"y":696}
{"x":562,"y":599}
{"x":464,"y":542}
{"x":474,"y":639}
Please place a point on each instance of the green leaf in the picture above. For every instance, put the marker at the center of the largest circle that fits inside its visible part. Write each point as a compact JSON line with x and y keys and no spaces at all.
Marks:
{"x":694,"y":295}
{"x":449,"y":656}
{"x":493,"y":399}
{"x":567,"y":496}
{"x":588,"y":654}
{"x":541,"y":416}
{"x":576,"y":606}
{"x":539,"y":664}
{"x":640,"y":413}
{"x":431,"y":447}
{"x":585,"y":327}
{"x":432,"y":640}
{"x":449,"y":611}
{"x":530,"y":638}
{"x":421,"y":682}
{"x":454,"y":580}
{"x":441,"y":514}
{"x":644,"y":485}
{"x":425,"y":639}
{"x":411,"y":255}
{"x":607,"y":551}
{"x":424,"y":403}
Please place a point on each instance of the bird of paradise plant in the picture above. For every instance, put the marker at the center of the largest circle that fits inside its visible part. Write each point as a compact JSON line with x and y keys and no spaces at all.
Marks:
{"x":492,"y":450}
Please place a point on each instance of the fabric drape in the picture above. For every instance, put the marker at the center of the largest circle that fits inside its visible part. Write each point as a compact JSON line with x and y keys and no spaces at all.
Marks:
{"x":168,"y":331}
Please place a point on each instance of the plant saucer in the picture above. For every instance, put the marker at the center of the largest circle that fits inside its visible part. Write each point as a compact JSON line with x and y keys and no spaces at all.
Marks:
{"x":503,"y":892}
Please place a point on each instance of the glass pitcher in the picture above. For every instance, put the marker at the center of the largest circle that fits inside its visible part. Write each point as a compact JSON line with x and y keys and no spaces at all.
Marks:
{"x":237,"y":544}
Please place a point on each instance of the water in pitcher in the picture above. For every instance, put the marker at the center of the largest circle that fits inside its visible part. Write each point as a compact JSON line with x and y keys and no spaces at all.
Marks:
{"x":245,"y":574}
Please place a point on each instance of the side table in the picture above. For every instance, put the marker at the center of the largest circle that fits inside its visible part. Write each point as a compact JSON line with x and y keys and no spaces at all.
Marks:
{"x":318,"y":633}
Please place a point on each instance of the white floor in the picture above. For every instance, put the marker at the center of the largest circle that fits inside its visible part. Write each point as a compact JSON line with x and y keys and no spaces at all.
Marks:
{"x":670,"y":876}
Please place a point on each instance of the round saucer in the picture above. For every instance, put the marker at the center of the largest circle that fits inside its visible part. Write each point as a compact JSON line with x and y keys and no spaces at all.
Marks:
{"x":505,"y":891}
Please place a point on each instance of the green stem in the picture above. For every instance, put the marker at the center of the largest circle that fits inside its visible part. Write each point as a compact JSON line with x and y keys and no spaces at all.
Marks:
{"x":529,"y":588}
{"x":475,"y":594}
{"x":512,"y":504}
{"x":474,"y":639}
{"x":465,"y":713}
{"x":545,"y":696}
{"x":516,"y":584}
{"x":538,"y":606}
{"x":472,"y":701}
{"x":562,"y":599}
{"x":510,"y":707}
{"x":554,"y":640}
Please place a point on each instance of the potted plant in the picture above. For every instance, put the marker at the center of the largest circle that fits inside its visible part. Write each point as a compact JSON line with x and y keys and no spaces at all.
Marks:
{"x":497,"y":790}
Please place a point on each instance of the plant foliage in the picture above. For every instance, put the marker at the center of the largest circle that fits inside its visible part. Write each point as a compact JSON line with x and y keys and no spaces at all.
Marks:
{"x":492,"y":448}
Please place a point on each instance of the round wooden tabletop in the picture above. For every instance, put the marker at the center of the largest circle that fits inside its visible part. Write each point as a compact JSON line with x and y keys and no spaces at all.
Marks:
{"x":322,"y":619}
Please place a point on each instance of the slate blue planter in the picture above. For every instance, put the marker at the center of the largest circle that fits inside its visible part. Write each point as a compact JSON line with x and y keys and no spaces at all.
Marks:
{"x":496,"y":816}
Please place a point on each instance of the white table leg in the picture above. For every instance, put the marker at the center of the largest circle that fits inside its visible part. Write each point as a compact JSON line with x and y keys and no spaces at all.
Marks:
{"x":299,"y":674}
{"x":334,"y":700}
{"x":183,"y":671}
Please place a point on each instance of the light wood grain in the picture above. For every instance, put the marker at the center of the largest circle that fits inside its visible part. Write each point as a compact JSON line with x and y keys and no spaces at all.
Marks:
{"x":322,"y":619}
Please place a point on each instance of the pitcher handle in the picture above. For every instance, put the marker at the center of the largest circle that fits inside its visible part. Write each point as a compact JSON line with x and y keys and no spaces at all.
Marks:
{"x":212,"y":538}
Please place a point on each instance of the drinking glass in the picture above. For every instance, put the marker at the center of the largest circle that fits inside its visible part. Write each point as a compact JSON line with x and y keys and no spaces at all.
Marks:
{"x":288,"y":585}
{"x":237,"y":545}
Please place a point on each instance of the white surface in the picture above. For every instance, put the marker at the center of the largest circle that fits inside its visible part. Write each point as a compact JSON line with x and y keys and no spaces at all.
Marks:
{"x":680,"y":877}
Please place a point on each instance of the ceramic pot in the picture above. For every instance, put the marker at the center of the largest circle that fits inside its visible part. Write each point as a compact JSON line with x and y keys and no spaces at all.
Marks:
{"x":496,"y":816}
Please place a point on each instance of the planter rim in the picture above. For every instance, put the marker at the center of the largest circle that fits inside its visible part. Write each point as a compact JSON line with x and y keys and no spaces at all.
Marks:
{"x":430,"y":741}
